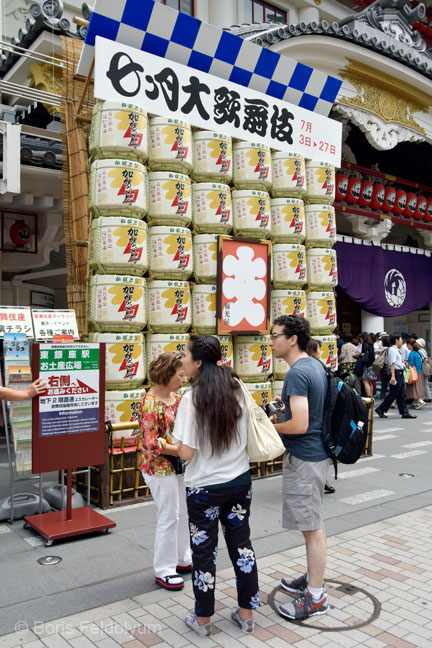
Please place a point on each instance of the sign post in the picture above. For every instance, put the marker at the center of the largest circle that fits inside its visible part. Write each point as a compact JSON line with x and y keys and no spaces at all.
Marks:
{"x":69,"y":429}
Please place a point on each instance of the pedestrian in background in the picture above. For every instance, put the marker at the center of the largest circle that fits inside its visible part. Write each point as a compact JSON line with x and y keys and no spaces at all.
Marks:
{"x":424,"y":356}
{"x":347,"y":359}
{"x":305,"y":463}
{"x":397,"y":381}
{"x":385,"y":371}
{"x":415,"y":390}
{"x":161,"y":470}
{"x":212,"y":429}
{"x":367,"y":357}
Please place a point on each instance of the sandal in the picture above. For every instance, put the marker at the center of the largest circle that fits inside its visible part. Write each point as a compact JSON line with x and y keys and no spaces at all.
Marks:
{"x":174,"y":582}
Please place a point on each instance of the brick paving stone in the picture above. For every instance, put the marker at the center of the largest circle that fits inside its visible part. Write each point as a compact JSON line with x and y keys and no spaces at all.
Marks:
{"x":93,"y":632}
{"x":172,"y":638}
{"x":55,"y":641}
{"x":81,"y":642}
{"x":394,"y":641}
{"x":107,"y":643}
{"x":34,"y":644}
{"x":285,"y":634}
{"x":262,"y":633}
{"x":375,"y":643}
{"x":146,"y":636}
{"x":411,"y":568}
{"x":133,"y":644}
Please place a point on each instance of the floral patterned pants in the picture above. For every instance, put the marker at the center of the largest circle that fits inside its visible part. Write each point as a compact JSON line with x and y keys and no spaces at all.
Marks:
{"x":232,"y":507}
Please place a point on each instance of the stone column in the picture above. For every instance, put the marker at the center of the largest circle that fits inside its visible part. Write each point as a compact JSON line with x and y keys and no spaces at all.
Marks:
{"x":371,"y":323}
{"x":222,"y":13}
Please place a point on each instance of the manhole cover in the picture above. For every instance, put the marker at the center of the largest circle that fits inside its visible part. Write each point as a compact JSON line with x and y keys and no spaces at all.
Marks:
{"x":49,"y":560}
{"x":367,"y":607}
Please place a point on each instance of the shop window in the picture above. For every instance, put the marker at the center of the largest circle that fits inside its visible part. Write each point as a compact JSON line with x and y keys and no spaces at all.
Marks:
{"x":260,"y":11}
{"x":186,"y":6}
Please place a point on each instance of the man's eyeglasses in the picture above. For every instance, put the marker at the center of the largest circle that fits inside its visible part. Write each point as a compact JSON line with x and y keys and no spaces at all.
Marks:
{"x":276,"y":335}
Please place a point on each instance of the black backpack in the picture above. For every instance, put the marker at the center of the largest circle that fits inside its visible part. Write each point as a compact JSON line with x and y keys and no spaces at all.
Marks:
{"x":345,"y":422}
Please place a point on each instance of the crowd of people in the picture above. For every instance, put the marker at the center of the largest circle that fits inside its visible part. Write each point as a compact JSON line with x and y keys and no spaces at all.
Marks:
{"x":194,"y":460}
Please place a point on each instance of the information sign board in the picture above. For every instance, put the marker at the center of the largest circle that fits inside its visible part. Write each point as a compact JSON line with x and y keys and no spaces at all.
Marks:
{"x":68,"y":418}
{"x":16,"y":319}
{"x":49,"y":322}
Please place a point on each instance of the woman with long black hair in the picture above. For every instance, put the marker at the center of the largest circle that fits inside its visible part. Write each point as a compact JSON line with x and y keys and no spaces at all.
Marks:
{"x":211,"y":426}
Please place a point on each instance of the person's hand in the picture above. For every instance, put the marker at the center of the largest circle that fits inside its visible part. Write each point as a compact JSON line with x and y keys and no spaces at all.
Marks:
{"x":392,"y":381}
{"x":279,"y":400}
{"x":36,"y":388}
{"x":274,"y":419}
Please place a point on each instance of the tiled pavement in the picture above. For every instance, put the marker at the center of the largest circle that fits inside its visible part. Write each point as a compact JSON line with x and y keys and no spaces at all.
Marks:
{"x":388,"y":563}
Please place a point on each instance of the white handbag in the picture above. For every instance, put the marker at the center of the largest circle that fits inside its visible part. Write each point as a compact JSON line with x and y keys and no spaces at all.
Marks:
{"x":264,"y":443}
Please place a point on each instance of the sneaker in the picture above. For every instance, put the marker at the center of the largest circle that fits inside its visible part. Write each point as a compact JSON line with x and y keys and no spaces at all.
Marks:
{"x":304,"y":607}
{"x":202,"y":630}
{"x":419,"y":405}
{"x":247,"y":625}
{"x":296,"y":586}
{"x":173,"y":583}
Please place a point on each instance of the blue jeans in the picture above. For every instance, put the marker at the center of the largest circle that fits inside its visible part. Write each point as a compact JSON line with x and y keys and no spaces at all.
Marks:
{"x":397,"y":393}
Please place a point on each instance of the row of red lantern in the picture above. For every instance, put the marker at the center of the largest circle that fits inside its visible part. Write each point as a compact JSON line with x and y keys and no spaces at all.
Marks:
{"x":388,"y":199}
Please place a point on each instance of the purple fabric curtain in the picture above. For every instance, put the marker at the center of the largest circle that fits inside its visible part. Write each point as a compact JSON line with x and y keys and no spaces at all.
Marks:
{"x":384,"y":282}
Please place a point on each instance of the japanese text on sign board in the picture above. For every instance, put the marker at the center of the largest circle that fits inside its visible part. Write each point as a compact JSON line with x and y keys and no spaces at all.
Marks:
{"x":168,"y":88}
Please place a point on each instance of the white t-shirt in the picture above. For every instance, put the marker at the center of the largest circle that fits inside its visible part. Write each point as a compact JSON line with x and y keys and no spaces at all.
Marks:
{"x":204,"y":469}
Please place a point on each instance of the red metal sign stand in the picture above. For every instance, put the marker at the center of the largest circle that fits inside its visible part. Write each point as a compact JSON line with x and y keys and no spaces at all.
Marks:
{"x":63,"y":452}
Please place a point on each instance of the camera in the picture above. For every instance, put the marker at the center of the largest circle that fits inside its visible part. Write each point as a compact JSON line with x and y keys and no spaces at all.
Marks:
{"x":274,"y":407}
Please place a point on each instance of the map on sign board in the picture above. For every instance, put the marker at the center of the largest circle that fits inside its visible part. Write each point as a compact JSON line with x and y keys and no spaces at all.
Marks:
{"x":70,"y":403}
{"x":163,"y":87}
{"x":16,"y":319}
{"x":51,"y":322}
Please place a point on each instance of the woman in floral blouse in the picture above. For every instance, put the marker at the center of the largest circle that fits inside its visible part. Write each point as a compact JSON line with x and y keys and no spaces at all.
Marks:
{"x":159,"y":460}
{"x":211,"y":426}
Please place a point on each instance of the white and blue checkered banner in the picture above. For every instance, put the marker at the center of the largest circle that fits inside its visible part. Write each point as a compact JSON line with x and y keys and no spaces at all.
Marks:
{"x":163,"y":87}
{"x":155,"y":28}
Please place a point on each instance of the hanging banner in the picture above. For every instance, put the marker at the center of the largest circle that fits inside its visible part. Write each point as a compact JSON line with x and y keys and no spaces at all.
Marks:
{"x":173,"y":35}
{"x":163,"y":87}
{"x":384,"y":282}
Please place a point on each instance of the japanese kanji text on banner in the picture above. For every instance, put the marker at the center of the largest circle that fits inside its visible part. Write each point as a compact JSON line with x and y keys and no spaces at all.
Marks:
{"x":163,"y":87}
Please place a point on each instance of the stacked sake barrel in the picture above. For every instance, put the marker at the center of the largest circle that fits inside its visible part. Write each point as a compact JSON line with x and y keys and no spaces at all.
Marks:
{"x":160,"y":195}
{"x":303,"y":232}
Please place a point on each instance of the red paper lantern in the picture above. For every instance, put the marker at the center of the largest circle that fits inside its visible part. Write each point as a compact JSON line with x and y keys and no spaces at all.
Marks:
{"x":421,"y":207}
{"x":389,"y":199}
{"x":400,"y":202}
{"x":411,"y":205}
{"x":366,"y":193}
{"x":378,"y":195}
{"x":428,"y":214}
{"x":19,"y":233}
{"x":353,"y":193}
{"x":341,"y":186}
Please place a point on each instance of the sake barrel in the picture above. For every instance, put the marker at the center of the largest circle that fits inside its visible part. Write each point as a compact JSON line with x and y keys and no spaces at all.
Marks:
{"x":252,"y":357}
{"x":260,"y":392}
{"x":204,"y":308}
{"x":205,"y":257}
{"x":328,"y":351}
{"x":169,"y":198}
{"x":251,"y":213}
{"x":169,"y":306}
{"x":252,"y":166}
{"x":211,"y":207}
{"x":289,"y":265}
{"x":212,"y":157}
{"x":119,"y":130}
{"x":288,"y":302}
{"x":124,"y":359}
{"x":170,"y":252}
{"x":118,"y":188}
{"x":122,"y":407}
{"x":118,"y":245}
{"x":277,"y":386}
{"x":287,"y":220}
{"x":289,"y":174}
{"x":117,"y":303}
{"x":158,"y":343}
{"x":227,"y":349}
{"x":170,"y":145}
{"x":320,"y":225}
{"x":321,"y":311}
{"x":320,"y":181}
{"x":280,"y":368}
{"x":322,"y":268}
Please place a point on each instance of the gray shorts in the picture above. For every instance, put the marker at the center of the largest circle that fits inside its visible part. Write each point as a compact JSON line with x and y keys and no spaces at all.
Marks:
{"x":303,"y":492}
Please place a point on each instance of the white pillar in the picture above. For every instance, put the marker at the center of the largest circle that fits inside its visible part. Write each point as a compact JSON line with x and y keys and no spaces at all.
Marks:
{"x":371,"y":323}
{"x":222,"y":13}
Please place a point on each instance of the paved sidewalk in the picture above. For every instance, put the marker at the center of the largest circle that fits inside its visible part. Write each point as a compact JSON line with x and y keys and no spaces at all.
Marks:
{"x":386,"y":566}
